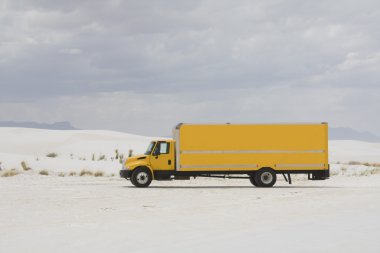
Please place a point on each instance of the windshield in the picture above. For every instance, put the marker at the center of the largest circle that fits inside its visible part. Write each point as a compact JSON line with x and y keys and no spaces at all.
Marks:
{"x":150,"y":148}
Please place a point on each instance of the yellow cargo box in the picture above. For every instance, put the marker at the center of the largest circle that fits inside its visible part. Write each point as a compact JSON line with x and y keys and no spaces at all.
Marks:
{"x":251,"y":146}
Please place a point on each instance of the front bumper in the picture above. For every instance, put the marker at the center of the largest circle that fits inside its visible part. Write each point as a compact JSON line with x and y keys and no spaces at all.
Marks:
{"x":125,"y":174}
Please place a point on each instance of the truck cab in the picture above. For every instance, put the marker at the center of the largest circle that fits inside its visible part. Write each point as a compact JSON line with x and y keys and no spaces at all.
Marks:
{"x":157,"y":163}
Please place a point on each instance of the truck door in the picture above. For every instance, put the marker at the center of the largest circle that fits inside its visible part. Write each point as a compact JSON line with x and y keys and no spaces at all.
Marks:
{"x":163,"y":156}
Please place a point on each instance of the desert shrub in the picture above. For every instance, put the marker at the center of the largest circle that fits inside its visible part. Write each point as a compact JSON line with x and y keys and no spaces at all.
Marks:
{"x":72,"y":173}
{"x":93,"y":157}
{"x":99,"y":174}
{"x":102,"y":157}
{"x":366,"y":164}
{"x":130,"y":153}
{"x":86,"y":173}
{"x":365,"y":173}
{"x":24,"y":166}
{"x":61,"y":174}
{"x":52,"y":155}
{"x":354,"y":163}
{"x":116,"y":154}
{"x":121,"y":158}
{"x":10,"y":173}
{"x":44,"y":172}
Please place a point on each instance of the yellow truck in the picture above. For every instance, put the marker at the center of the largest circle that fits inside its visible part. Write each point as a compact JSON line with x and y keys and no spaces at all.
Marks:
{"x":257,"y":152}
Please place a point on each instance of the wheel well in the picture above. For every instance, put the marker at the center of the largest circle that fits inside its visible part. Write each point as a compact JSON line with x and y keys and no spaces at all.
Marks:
{"x":267,"y":168}
{"x":252,"y":173}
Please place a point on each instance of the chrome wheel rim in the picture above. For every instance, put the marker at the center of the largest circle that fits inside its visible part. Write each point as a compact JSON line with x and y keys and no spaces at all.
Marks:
{"x":142,"y":178}
{"x":266,"y":177}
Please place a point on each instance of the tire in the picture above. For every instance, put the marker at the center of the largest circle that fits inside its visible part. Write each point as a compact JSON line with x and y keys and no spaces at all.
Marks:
{"x":265,"y":177}
{"x":141,"y":177}
{"x":252,"y":179}
{"x":131,"y":178}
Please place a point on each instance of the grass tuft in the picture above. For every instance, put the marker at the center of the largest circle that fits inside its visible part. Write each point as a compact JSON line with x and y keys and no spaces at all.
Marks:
{"x":99,"y":174}
{"x":44,"y":172}
{"x":52,"y":155}
{"x":86,"y":173}
{"x":24,"y":166}
{"x":10,"y":173}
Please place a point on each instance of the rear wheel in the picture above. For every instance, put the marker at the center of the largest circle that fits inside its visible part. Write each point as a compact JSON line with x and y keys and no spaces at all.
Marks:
{"x":141,"y":177}
{"x":265,"y":177}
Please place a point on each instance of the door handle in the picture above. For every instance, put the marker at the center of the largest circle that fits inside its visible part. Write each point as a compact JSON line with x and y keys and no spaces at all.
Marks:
{"x":169,"y":162}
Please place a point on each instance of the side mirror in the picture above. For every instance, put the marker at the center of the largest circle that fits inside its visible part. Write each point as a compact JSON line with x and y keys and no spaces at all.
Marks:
{"x":156,"y":152}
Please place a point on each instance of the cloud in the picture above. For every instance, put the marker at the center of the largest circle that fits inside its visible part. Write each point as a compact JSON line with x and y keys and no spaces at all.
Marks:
{"x":198,"y":60}
{"x":70,"y":51}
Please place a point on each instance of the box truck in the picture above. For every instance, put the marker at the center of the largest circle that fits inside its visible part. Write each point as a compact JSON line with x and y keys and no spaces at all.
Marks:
{"x":258,"y":152}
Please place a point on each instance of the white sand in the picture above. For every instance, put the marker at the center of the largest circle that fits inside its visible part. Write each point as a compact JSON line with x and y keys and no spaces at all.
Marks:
{"x":86,"y":214}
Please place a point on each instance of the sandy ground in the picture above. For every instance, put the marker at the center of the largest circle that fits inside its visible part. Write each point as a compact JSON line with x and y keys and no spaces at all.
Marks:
{"x":87,"y":214}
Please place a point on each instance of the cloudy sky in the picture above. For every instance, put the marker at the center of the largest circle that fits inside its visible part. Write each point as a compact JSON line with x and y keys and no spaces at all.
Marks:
{"x":142,"y":66}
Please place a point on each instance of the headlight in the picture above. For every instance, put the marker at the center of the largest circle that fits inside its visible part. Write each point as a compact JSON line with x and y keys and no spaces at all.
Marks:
{"x":125,"y":167}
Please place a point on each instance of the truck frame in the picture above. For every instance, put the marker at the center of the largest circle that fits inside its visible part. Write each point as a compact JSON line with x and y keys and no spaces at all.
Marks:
{"x":258,"y":152}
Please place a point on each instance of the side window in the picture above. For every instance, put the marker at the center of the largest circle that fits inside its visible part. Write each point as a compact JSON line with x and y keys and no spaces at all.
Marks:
{"x":164,"y":147}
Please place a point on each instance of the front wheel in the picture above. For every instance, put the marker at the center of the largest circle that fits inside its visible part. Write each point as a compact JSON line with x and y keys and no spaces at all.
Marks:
{"x":141,"y":177}
{"x":265,"y":177}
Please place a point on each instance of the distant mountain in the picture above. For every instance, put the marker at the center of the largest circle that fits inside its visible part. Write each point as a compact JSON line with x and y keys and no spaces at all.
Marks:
{"x":64,"y":125}
{"x":345,"y":133}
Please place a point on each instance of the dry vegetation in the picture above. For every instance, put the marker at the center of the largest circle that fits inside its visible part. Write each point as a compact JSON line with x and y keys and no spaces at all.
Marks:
{"x":102,"y":157}
{"x":52,"y":155}
{"x":44,"y":172}
{"x":9,"y":173}
{"x":365,"y":164}
{"x":354,"y":168}
{"x":24,"y":166}
{"x":86,"y":173}
{"x":99,"y":174}
{"x":354,"y":163}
